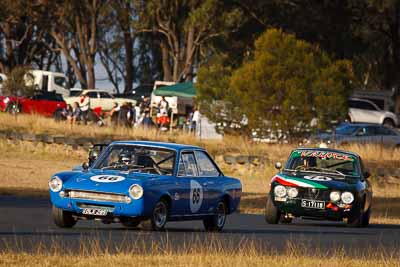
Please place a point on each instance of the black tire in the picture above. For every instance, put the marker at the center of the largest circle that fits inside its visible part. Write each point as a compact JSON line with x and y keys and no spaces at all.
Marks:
{"x":359,"y":218}
{"x":366,"y":217}
{"x":57,"y":115}
{"x":272,"y":214}
{"x":63,"y":218}
{"x":159,"y":216}
{"x":388,"y":123}
{"x":131,"y":223}
{"x":216,"y":222}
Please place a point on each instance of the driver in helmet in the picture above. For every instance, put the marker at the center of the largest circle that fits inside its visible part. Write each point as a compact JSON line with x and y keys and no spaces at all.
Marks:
{"x":127,"y":158}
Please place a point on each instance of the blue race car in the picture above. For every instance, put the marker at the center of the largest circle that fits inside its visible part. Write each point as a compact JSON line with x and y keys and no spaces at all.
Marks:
{"x":134,"y":181}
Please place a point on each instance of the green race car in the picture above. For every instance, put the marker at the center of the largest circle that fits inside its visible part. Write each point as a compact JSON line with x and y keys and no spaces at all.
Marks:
{"x":325,"y":184}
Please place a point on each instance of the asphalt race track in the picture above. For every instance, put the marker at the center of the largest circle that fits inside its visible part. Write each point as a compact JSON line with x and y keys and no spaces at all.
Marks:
{"x":26,"y":222}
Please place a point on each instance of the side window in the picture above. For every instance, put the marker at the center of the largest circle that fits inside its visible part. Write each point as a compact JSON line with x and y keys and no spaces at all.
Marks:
{"x":367,"y":131}
{"x":206,"y":166}
{"x":45,"y":83}
{"x":60,"y":81}
{"x":92,"y":94}
{"x":384,"y":131}
{"x":105,"y":95}
{"x":187,"y":165}
{"x":366,"y":106}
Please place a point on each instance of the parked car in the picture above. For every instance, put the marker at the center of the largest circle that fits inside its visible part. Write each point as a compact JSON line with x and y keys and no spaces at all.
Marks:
{"x":135,"y":181}
{"x":320,"y":184}
{"x":362,"y":133}
{"x":43,"y":103}
{"x":100,"y":98}
{"x":366,"y":111}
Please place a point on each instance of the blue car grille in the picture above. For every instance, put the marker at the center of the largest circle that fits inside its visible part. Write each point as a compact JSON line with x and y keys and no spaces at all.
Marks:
{"x":98,"y":196}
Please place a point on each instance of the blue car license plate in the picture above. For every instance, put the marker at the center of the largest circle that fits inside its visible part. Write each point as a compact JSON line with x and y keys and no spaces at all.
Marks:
{"x":96,"y":212}
{"x":312,"y":204}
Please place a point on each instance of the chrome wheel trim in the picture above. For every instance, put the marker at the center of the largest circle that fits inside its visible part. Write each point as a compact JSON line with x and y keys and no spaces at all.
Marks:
{"x":160,"y":214}
{"x":221,"y":215}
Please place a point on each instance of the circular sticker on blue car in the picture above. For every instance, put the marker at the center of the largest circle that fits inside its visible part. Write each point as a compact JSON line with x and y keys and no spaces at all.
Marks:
{"x":107,"y":178}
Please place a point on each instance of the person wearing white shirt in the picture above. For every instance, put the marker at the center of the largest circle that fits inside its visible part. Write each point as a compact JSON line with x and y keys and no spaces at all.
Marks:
{"x":84,"y":105}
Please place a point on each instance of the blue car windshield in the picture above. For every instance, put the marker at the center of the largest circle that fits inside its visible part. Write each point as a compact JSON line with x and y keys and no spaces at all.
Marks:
{"x":134,"y":158}
{"x":346,"y":129}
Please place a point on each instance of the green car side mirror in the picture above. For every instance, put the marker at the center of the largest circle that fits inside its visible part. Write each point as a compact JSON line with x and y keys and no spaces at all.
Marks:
{"x":278,"y":165}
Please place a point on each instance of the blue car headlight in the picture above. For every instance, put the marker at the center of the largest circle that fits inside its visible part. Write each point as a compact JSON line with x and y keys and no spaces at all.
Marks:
{"x":136,"y":191}
{"x":55,"y":184}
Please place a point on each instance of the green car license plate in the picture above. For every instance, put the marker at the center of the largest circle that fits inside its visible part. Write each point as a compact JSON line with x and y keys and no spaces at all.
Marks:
{"x":96,"y":212}
{"x":312,"y":204}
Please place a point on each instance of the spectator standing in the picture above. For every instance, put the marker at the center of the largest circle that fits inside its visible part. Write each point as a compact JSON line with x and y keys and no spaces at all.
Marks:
{"x":123,"y":115}
{"x":163,"y":106}
{"x":145,"y":105}
{"x":84,"y":106}
{"x":131,"y":114}
{"x":195,"y":120}
{"x":162,"y":114}
{"x":147,"y":121}
{"x":138,"y":116}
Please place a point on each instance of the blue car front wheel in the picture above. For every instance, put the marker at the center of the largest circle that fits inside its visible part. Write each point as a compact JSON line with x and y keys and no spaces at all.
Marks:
{"x":159,"y":216}
{"x":63,"y":218}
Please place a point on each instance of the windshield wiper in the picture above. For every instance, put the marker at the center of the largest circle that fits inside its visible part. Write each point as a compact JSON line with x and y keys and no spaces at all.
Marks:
{"x":125,"y":166}
{"x":326,"y":170}
{"x":314,"y":169}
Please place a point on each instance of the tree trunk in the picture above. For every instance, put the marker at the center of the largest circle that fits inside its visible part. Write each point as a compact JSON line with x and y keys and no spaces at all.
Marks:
{"x":128,"y":61}
{"x":190,"y":49}
{"x":165,"y":62}
{"x":91,"y":75}
{"x":125,"y":24}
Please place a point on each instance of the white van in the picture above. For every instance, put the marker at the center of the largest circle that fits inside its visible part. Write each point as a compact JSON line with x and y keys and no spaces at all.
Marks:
{"x":51,"y":81}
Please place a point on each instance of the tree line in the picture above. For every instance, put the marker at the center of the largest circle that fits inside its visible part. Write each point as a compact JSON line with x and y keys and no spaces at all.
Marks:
{"x":139,"y":41}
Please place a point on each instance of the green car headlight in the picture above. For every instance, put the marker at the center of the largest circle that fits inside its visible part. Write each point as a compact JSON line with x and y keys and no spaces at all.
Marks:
{"x":280,"y":191}
{"x":347,"y":197}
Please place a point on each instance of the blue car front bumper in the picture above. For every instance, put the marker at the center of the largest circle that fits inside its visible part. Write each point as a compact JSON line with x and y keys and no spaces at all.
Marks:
{"x":135,"y":208}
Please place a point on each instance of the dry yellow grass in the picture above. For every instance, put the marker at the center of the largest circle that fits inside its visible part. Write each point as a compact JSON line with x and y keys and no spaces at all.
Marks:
{"x":211,"y":253}
{"x":192,"y":259}
{"x":231,"y":144}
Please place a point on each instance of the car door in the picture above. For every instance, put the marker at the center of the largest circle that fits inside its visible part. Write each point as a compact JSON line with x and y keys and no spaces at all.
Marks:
{"x":366,"y":135}
{"x":387,"y":137}
{"x":213,"y":179}
{"x":94,"y":99}
{"x":367,"y":112}
{"x":106,"y":101}
{"x":191,"y":188}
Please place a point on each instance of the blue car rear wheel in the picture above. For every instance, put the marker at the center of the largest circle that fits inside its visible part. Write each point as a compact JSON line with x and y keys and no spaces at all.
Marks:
{"x":216,"y":222}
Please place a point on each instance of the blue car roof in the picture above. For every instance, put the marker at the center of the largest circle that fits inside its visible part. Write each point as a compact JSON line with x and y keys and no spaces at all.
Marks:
{"x":328,"y":150}
{"x":172,"y":146}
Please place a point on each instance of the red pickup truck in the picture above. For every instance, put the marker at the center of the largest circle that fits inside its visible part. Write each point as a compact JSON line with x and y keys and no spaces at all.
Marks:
{"x":43,"y":103}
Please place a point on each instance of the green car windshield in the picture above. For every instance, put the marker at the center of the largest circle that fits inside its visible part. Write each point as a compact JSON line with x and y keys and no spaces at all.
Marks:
{"x":336,"y":163}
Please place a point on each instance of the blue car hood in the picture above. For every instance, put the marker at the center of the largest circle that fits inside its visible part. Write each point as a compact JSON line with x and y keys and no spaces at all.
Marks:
{"x":106,"y":181}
